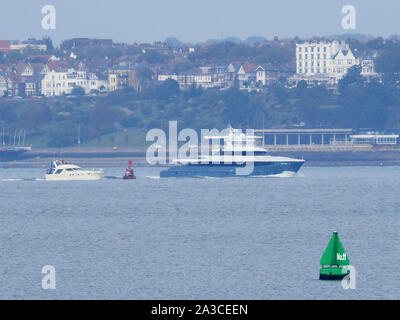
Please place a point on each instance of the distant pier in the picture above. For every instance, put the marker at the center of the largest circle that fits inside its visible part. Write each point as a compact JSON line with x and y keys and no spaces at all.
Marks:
{"x":325,"y":140}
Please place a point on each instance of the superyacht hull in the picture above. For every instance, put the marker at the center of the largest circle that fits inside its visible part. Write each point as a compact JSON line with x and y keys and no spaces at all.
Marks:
{"x":225,"y":170}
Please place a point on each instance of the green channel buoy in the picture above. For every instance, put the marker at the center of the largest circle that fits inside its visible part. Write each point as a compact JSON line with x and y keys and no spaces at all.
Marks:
{"x":334,"y":260}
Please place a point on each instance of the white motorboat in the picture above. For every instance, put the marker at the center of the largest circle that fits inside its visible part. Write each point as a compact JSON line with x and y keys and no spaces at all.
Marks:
{"x":62,"y":171}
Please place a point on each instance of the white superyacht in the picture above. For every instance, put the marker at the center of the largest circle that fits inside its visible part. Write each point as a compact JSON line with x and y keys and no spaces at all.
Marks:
{"x":224,"y":161}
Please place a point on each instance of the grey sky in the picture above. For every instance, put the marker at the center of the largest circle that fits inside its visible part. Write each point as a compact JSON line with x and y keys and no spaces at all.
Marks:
{"x":194,"y":20}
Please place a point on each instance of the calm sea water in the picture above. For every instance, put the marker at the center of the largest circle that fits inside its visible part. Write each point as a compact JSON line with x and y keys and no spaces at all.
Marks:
{"x":237,"y":238}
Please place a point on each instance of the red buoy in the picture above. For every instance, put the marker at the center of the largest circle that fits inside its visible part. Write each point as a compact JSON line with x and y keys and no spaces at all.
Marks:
{"x":129,"y":173}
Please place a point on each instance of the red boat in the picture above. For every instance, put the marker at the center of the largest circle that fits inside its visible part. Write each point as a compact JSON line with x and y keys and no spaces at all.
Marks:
{"x":129,"y":173}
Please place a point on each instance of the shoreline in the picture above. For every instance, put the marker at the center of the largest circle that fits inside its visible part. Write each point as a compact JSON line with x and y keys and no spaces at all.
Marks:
{"x":109,"y":157}
{"x":141,"y":162}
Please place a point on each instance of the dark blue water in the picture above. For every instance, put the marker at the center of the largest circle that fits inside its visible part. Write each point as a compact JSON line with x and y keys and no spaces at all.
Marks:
{"x":234,"y":238}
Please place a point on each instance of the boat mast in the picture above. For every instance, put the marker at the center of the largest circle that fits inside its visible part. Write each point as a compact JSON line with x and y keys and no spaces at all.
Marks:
{"x":2,"y":136}
{"x":19,"y":137}
{"x":79,"y":135}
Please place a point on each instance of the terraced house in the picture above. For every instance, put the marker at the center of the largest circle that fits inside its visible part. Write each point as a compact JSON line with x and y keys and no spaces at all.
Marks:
{"x":22,"y":79}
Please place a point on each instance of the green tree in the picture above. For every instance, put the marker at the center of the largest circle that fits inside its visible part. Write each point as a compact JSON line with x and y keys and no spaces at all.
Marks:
{"x":78,"y":91}
{"x":144,"y":75}
{"x":237,"y":106}
{"x":193,"y":91}
{"x":352,"y":78}
{"x":183,"y":66}
{"x":168,"y":89}
{"x":152,"y":57}
{"x":388,"y":62}
{"x":49,"y":43}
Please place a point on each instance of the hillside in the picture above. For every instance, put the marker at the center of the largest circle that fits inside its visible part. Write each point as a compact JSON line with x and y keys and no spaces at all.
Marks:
{"x":123,"y":117}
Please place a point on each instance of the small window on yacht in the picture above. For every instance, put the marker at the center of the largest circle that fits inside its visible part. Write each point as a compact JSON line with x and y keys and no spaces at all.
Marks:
{"x":260,"y":153}
{"x":59,"y":171}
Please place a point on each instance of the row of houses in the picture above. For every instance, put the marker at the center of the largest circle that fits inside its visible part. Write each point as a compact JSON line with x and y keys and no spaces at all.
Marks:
{"x":61,"y":77}
{"x":318,"y":61}
{"x":249,"y":76}
{"x":54,"y":78}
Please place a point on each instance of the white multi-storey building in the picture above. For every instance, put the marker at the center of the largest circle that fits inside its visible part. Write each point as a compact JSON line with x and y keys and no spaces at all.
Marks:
{"x":61,"y":81}
{"x":324,"y":61}
{"x":55,"y":83}
{"x":368,"y":65}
